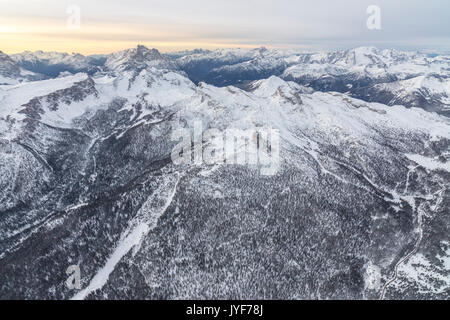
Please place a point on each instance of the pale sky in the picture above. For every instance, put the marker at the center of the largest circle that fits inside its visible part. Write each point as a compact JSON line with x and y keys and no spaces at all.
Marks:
{"x":169,"y":25}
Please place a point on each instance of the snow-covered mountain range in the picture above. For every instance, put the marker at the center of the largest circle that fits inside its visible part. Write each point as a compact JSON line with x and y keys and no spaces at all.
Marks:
{"x":12,"y":73}
{"x":358,"y":209}
{"x":366,"y":73}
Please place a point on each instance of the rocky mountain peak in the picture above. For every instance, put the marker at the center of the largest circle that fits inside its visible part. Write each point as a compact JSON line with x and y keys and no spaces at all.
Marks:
{"x":137,"y":59}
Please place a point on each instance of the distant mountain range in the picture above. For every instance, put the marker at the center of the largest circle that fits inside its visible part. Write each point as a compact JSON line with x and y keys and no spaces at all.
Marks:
{"x":366,"y":73}
{"x":358,"y":208}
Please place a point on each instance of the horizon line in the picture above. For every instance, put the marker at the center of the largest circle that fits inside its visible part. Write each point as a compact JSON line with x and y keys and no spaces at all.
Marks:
{"x":237,"y":47}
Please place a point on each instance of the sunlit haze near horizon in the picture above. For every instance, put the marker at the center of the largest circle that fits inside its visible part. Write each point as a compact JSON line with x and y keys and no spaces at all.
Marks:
{"x":172,"y":25}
